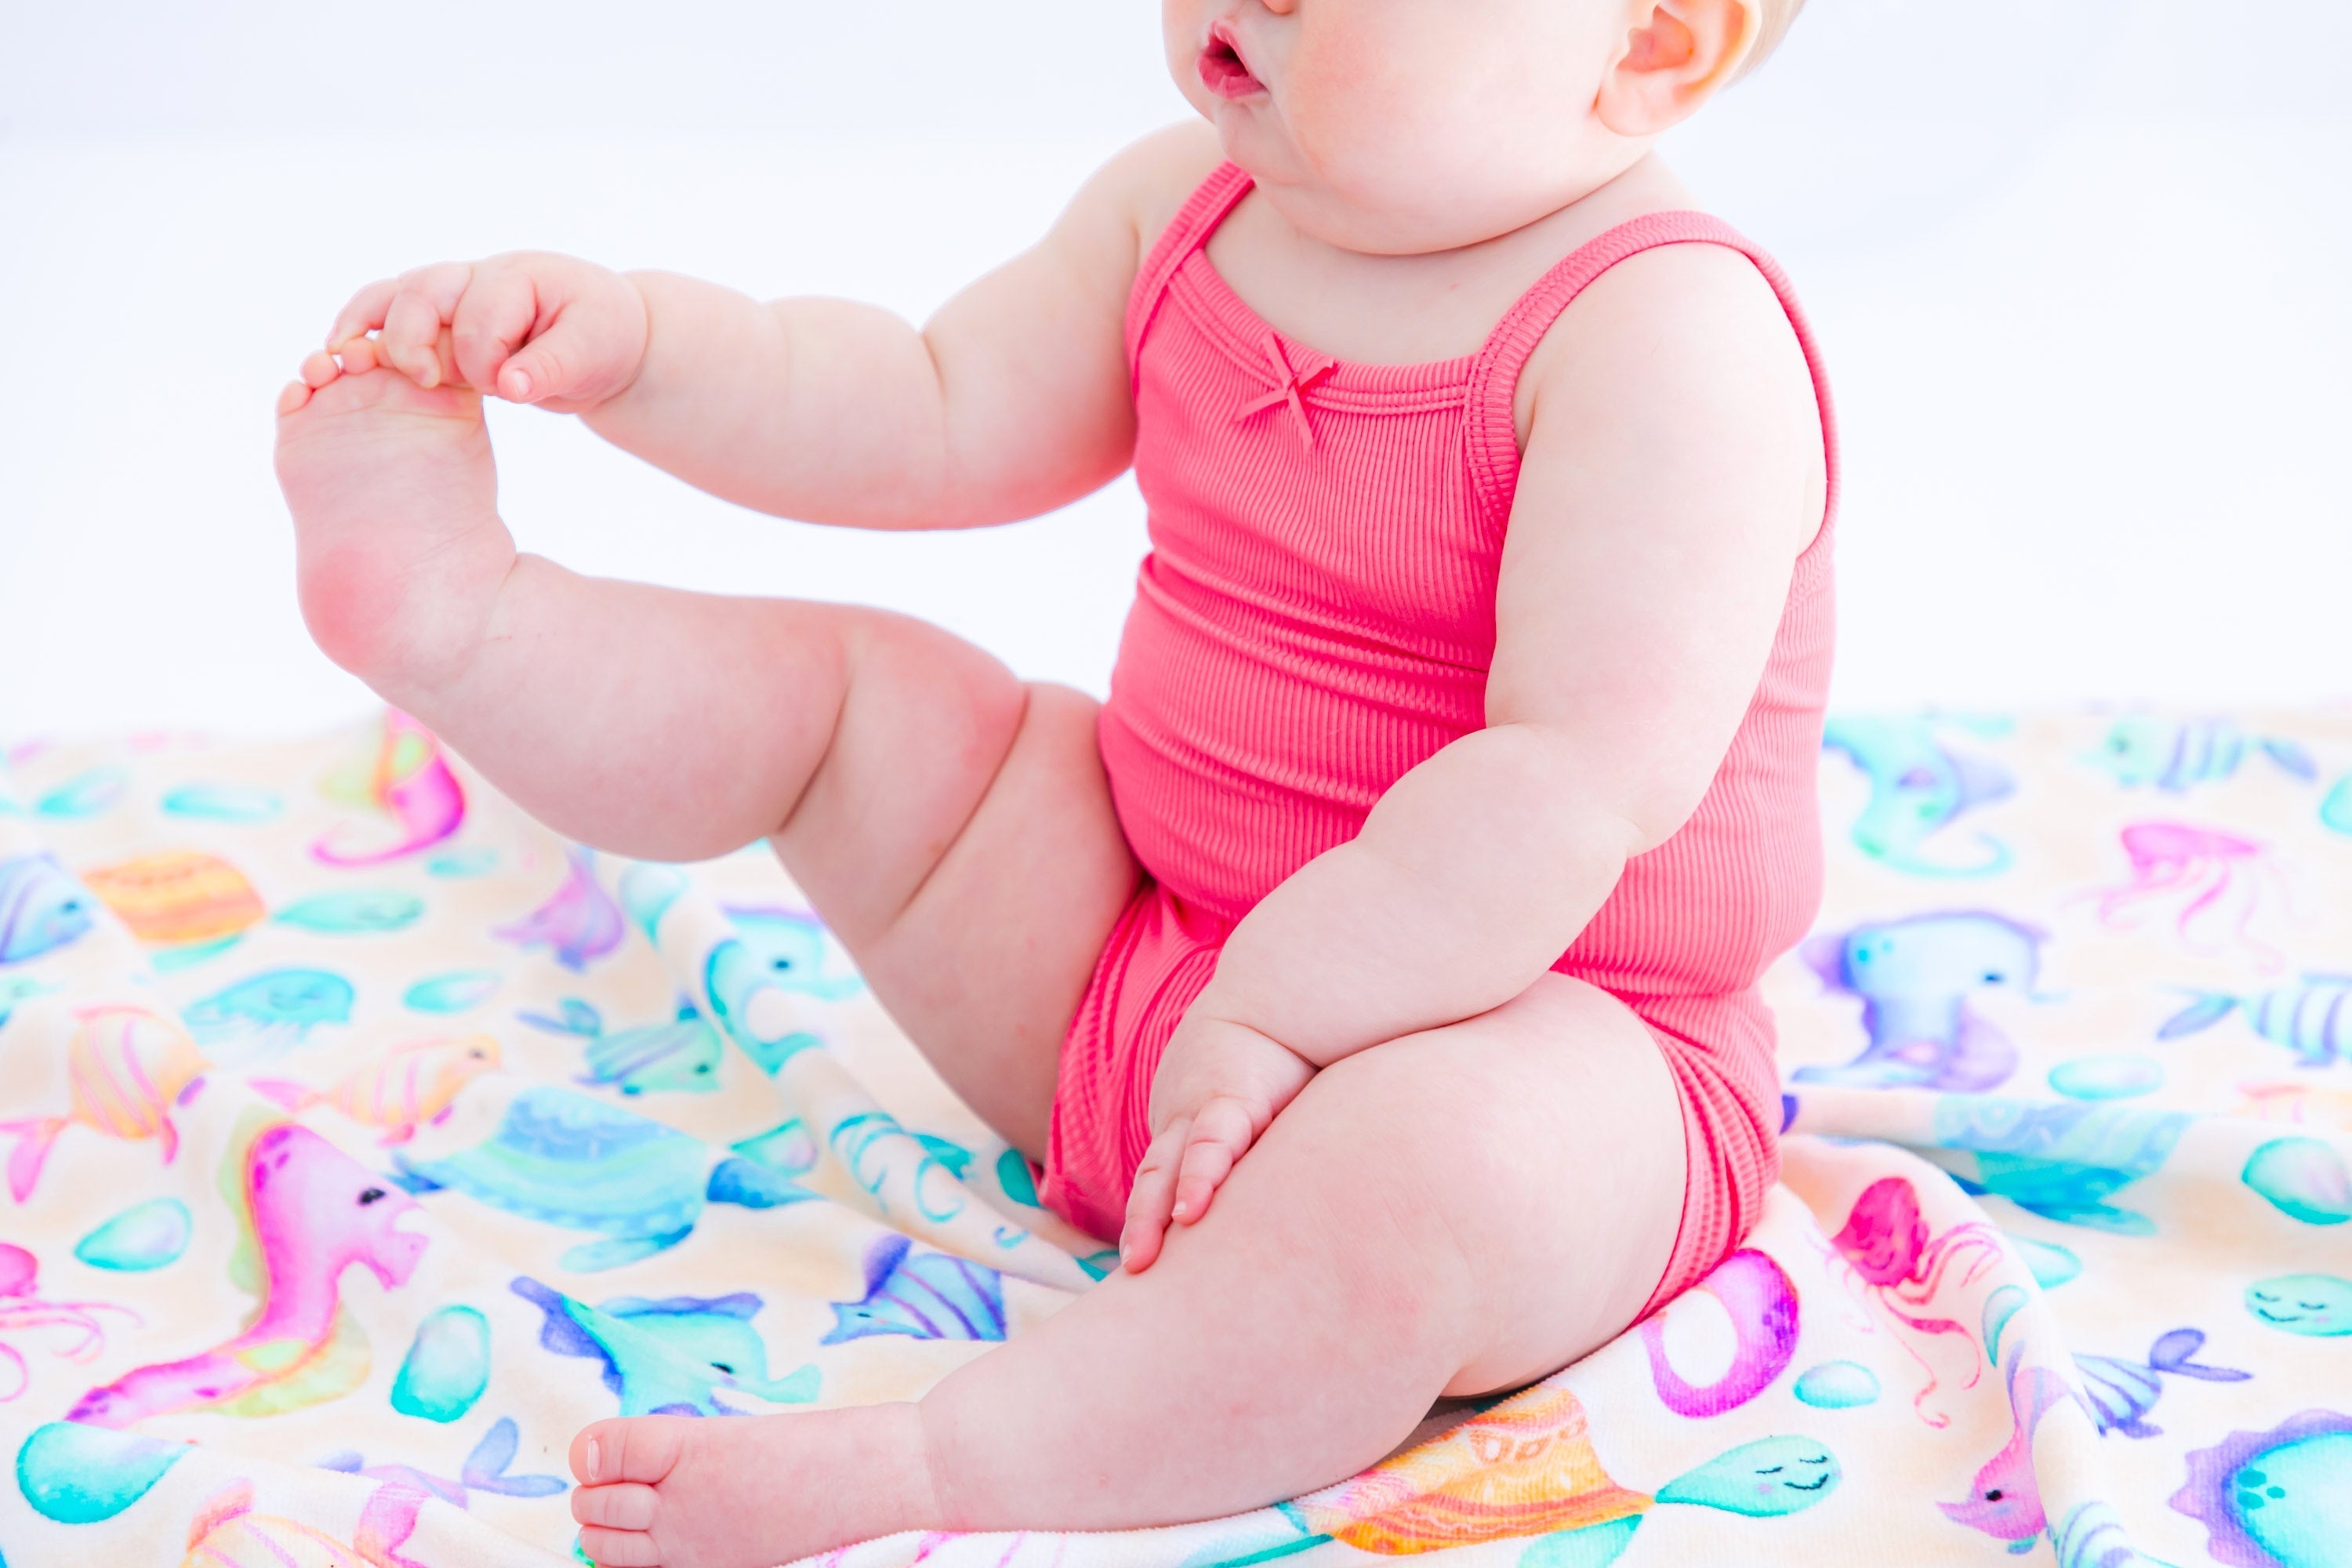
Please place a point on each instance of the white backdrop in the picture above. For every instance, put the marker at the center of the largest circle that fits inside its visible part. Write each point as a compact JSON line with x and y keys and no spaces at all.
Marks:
{"x":2080,"y":267}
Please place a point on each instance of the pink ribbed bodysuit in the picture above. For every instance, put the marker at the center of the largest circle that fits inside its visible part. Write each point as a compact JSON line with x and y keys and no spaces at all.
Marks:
{"x":1316,"y":616}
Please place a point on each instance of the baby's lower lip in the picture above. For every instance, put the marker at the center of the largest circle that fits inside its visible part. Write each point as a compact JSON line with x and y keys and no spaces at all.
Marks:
{"x":1225,"y":75}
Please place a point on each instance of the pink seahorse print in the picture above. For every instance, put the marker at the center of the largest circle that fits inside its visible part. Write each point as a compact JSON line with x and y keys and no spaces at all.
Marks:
{"x":315,"y":1212}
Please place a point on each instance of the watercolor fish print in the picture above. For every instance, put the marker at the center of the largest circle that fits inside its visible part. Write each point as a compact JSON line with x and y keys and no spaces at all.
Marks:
{"x":366,"y":1139}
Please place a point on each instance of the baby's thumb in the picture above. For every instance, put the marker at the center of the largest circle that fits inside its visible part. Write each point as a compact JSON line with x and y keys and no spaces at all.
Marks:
{"x":540,"y":371}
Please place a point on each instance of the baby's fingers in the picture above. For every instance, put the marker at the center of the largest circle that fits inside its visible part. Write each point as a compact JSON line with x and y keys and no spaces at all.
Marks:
{"x":1221,"y":1134}
{"x":414,"y":321}
{"x":1151,"y":1199}
{"x":363,"y":315}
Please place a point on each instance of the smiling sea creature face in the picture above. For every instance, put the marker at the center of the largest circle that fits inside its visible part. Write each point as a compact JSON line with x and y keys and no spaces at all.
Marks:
{"x":2317,"y":1305}
{"x":1763,"y":1480}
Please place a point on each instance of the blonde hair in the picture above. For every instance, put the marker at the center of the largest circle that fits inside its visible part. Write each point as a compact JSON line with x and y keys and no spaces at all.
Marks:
{"x":1773,"y":17}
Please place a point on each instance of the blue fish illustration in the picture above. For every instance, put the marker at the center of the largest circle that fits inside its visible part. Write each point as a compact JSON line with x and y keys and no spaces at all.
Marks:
{"x":2176,"y":754}
{"x":925,"y":1295}
{"x":42,"y":907}
{"x":716,"y":1332}
{"x":485,"y":1470}
{"x":1919,"y":788}
{"x":1915,"y":977}
{"x":2061,"y":1162}
{"x":671,"y":1357}
{"x":681,"y":1056}
{"x":2120,"y":1394}
{"x":2313,"y":1017}
{"x":273,"y":1011}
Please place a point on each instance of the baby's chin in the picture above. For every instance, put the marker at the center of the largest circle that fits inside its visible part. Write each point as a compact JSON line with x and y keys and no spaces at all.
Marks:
{"x":1386,"y":197}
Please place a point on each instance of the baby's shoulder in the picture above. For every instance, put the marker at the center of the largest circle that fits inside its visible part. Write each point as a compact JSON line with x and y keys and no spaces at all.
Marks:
{"x":1144,"y":187}
{"x":1671,"y":319}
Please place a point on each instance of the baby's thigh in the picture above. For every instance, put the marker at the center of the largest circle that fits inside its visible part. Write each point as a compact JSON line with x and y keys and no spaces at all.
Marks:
{"x":984,"y":964}
{"x":1546,"y":1138}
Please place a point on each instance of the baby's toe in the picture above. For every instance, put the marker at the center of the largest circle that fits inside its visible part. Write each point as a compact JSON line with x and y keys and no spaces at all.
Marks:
{"x":625,"y":1505}
{"x":619,"y":1548}
{"x":319,"y":369}
{"x":645,"y":1448}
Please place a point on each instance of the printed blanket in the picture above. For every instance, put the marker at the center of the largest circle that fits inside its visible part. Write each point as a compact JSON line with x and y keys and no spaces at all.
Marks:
{"x":362,"y":1140}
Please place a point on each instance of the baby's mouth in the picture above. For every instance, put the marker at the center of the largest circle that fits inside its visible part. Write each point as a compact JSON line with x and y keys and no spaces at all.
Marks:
{"x":1223,"y":70}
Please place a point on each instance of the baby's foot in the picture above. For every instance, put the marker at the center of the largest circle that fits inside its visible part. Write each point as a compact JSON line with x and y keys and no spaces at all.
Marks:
{"x":748,"y":1492}
{"x":395,"y":497}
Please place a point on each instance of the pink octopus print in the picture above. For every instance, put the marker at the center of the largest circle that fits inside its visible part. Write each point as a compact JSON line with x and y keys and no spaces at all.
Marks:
{"x":2206,"y":879}
{"x":1895,"y":1259}
{"x":22,"y":1311}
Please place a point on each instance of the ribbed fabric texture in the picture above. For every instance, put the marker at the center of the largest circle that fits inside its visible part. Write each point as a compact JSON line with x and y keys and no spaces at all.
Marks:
{"x":1316,"y":616}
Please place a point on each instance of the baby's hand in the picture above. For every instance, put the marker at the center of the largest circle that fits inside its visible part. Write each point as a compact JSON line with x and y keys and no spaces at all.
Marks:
{"x":528,"y":327}
{"x":1219,"y":1087}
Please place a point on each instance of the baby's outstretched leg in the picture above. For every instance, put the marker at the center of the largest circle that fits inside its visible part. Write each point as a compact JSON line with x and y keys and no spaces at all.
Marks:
{"x":1453,"y":1213}
{"x":950,"y":822}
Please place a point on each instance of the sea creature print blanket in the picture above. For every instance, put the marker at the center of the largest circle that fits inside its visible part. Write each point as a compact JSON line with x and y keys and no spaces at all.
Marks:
{"x":361,"y":1140}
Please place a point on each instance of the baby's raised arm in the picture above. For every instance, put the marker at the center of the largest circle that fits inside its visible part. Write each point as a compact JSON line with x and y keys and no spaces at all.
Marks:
{"x":1011,"y":401}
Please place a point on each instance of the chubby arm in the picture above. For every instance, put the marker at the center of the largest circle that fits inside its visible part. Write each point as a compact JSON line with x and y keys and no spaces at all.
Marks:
{"x":1673,"y":471}
{"x":1011,"y":401}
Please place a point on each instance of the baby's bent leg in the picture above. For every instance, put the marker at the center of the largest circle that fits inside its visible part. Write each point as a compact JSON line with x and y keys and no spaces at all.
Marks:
{"x":1456,"y":1212}
{"x":952,"y":824}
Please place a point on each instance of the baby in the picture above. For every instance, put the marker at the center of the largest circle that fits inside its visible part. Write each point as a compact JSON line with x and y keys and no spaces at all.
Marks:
{"x":1378,"y":965}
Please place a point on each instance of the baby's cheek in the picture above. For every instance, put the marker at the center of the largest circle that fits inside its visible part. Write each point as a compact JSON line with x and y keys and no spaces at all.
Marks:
{"x":1351,"y":95}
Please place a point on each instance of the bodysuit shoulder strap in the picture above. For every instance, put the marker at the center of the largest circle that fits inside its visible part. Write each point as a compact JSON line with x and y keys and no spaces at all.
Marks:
{"x":1194,"y":221}
{"x":1494,"y":440}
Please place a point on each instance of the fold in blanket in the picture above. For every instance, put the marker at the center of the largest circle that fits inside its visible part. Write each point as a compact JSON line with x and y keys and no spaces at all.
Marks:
{"x":362,"y":1140}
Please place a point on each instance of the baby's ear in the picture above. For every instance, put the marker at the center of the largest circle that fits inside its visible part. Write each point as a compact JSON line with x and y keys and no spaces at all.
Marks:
{"x":1677,"y":54}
